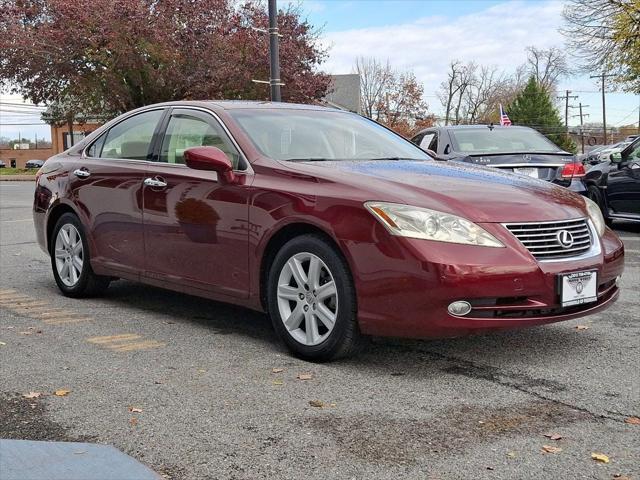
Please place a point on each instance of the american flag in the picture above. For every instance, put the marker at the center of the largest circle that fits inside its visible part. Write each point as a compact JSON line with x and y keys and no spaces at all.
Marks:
{"x":504,"y":118}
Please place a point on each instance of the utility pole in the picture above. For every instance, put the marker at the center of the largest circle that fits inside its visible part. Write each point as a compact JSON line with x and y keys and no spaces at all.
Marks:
{"x":604,"y":107}
{"x":582,"y":123}
{"x":274,"y":52}
{"x":566,"y":107}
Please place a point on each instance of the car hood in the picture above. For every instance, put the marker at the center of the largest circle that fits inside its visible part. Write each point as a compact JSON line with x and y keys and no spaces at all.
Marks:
{"x":515,"y":159}
{"x":477,"y":193}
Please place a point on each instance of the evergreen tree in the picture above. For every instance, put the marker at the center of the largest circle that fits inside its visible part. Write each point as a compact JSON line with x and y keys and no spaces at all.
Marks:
{"x":533,"y":108}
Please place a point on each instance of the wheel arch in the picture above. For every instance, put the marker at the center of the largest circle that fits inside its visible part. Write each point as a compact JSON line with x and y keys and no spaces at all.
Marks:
{"x":53,"y":217}
{"x":279,"y":239}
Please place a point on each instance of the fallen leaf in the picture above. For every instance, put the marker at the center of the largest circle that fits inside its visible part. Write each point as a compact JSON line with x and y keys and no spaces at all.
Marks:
{"x":553,"y":436}
{"x":511,"y":454}
{"x":62,"y":393}
{"x":25,"y":333}
{"x":133,"y":421}
{"x":551,"y":449}
{"x":158,"y":382}
{"x":621,"y":476}
{"x":582,"y":327}
{"x":32,"y":395}
{"x":632,"y":420}
{"x":304,"y":376}
{"x":2,"y":343}
{"x":278,"y":382}
{"x":316,"y":403}
{"x":600,"y":457}
{"x":489,"y":468}
{"x":135,"y":410}
{"x":202,"y":370}
{"x":277,"y":370}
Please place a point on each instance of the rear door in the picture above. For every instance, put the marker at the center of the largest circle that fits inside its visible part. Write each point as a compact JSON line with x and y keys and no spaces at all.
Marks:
{"x":106,"y":183}
{"x":195,"y":227}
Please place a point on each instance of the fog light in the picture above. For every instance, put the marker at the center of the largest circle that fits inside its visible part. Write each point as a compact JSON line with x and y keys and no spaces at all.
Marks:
{"x":459,"y":308}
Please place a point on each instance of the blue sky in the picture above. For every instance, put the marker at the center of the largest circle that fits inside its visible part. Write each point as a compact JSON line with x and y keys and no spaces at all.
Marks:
{"x":425,"y":36}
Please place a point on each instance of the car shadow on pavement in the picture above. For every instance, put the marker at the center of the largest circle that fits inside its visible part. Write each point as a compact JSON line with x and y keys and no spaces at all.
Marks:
{"x":220,"y":317}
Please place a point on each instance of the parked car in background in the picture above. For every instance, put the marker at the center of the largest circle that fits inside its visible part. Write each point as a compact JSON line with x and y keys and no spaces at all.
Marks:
{"x":333,"y":224}
{"x":615,"y":184}
{"x":2,"y":164}
{"x":34,"y":164}
{"x":519,"y":150}
{"x":603,"y":153}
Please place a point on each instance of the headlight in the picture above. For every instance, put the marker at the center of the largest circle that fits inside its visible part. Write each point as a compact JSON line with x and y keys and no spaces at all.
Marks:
{"x":595,"y":214}
{"x":416,"y":222}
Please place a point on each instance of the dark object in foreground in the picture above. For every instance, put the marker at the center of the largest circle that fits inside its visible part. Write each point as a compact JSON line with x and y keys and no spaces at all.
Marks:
{"x":27,"y":459}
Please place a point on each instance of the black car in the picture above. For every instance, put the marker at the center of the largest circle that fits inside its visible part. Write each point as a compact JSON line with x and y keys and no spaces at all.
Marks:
{"x":518,"y":149}
{"x":34,"y":164}
{"x":615,"y":184}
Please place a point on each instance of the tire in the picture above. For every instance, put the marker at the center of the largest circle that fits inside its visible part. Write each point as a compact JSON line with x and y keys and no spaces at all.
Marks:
{"x":71,"y":248}
{"x":295,"y":309}
{"x":593,"y":193}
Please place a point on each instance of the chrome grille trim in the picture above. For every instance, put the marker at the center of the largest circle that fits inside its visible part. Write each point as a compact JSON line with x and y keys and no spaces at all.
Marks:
{"x":540,"y":239}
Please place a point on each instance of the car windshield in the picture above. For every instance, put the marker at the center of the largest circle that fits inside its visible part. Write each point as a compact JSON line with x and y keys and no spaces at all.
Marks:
{"x":500,"y":140}
{"x":316,"y":135}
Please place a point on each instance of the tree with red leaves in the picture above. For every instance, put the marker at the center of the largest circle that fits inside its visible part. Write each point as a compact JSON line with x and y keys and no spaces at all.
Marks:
{"x":115,"y":55}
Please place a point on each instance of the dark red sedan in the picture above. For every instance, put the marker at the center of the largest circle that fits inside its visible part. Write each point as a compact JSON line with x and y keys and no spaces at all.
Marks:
{"x":332,"y":224}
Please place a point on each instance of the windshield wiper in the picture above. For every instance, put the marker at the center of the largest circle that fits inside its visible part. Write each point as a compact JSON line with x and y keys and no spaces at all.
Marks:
{"x":310,"y":159}
{"x":394,"y":158}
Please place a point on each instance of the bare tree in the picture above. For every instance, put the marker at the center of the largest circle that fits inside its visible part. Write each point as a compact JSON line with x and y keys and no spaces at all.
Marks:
{"x":375,"y":80}
{"x":547,"y":66}
{"x":452,"y":90}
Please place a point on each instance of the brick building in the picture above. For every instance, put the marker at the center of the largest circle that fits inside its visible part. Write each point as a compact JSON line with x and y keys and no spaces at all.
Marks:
{"x":60,"y":141}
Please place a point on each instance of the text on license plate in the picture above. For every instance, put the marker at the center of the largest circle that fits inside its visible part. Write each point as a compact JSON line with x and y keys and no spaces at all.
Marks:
{"x":578,"y":287}
{"x":529,"y":172}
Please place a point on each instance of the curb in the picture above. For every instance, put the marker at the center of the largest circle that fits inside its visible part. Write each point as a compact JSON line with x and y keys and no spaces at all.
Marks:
{"x":17,"y":178}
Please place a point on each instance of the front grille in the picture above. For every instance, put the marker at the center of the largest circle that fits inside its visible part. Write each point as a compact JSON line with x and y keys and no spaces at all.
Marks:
{"x":541,"y":239}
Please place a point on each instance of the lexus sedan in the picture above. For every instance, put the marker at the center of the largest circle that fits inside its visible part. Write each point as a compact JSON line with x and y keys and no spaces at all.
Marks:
{"x":516,"y":149}
{"x":335,"y":226}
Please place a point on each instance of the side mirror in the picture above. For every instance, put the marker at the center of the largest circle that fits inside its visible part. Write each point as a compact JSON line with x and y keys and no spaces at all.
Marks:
{"x":210,"y":158}
{"x":616,"y":157}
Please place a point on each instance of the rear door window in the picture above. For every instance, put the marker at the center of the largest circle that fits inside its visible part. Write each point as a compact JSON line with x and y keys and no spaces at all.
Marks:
{"x":131,"y":139}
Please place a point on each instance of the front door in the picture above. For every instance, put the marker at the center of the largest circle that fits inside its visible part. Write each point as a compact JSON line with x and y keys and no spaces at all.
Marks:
{"x":195,"y":227}
{"x":623,"y":185}
{"x":107,"y":186}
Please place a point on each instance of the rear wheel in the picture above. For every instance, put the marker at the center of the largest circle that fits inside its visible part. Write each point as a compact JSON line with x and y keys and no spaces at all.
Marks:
{"x":70,"y":260}
{"x":312,"y":301}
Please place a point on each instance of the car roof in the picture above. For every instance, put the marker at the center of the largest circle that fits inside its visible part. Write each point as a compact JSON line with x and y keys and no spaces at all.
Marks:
{"x":246,"y":104}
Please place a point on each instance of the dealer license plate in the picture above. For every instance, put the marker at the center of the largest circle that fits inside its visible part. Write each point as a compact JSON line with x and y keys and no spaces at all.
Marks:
{"x":578,"y":287}
{"x":529,"y":172}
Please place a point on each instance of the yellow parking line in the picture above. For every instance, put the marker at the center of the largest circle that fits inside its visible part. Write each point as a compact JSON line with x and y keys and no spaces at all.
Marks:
{"x":62,"y":321}
{"x":53,"y":313}
{"x":113,"y":338}
{"x":6,"y":300}
{"x":28,"y":305}
{"x":144,"y":345}
{"x":5,"y":291}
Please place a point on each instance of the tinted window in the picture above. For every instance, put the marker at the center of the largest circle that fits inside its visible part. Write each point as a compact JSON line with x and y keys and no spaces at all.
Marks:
{"x":186,"y":131}
{"x":131,"y":139}
{"x":500,"y":140}
{"x":287,"y":134}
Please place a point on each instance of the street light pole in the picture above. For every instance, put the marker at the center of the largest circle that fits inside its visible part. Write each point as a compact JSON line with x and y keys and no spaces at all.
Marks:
{"x":274,"y":52}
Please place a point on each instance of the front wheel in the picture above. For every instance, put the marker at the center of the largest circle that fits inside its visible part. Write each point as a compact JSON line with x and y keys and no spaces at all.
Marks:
{"x":312,"y":301}
{"x":594,"y":193}
{"x":70,"y":260}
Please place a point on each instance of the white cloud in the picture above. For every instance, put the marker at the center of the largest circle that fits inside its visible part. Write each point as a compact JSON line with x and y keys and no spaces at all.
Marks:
{"x":495,"y":36}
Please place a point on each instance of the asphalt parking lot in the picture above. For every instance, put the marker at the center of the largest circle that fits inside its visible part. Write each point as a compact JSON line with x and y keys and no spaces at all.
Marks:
{"x":188,"y":386}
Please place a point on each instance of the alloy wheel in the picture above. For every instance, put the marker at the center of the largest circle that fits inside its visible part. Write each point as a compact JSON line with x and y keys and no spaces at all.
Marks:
{"x":307,"y":298}
{"x":69,"y":254}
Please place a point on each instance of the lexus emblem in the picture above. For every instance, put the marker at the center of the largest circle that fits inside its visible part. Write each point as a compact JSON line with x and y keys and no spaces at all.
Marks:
{"x":565,"y":238}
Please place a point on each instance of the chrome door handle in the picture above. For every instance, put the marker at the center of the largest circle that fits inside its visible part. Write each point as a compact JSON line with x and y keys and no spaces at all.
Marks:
{"x":81,"y":173}
{"x":154,"y":182}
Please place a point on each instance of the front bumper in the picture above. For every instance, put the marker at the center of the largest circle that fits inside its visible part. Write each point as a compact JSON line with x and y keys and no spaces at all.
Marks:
{"x":404,"y":286}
